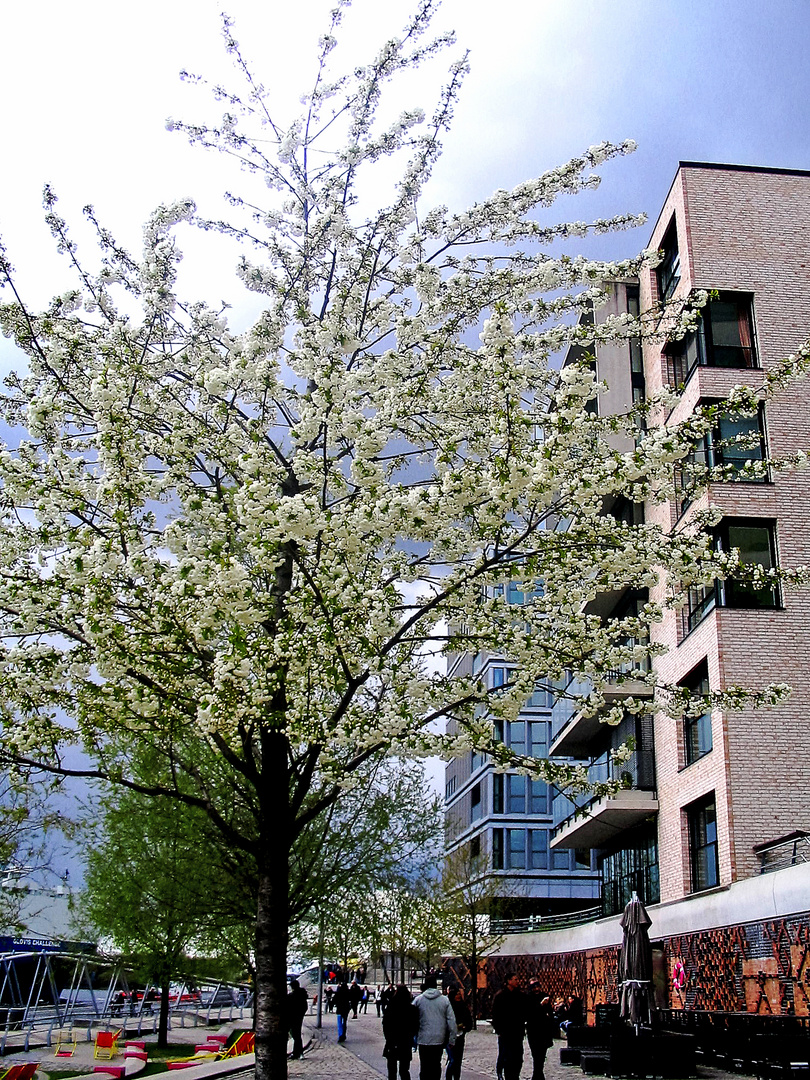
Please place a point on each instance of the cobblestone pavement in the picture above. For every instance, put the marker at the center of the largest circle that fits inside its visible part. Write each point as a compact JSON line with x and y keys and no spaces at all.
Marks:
{"x":361,"y":1055}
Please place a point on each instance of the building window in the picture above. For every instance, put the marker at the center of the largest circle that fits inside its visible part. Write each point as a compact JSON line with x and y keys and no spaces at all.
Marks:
{"x":538,"y":797}
{"x":450,"y":787}
{"x":475,"y":847}
{"x":538,"y":849}
{"x":516,"y":849}
{"x":475,"y":803}
{"x":560,"y":859}
{"x":582,"y":858}
{"x":702,"y":820}
{"x":515,"y":794}
{"x":757,"y":546}
{"x":497,"y":793}
{"x":542,"y":698}
{"x":697,"y":730}
{"x":669,"y":269}
{"x":500,"y":677}
{"x":538,"y":738}
{"x":725,"y":338}
{"x":516,"y":736}
{"x":497,"y":849}
{"x":733,"y":442}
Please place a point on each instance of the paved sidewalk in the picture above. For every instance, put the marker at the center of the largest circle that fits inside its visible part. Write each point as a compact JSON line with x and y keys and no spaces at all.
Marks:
{"x":361,"y":1055}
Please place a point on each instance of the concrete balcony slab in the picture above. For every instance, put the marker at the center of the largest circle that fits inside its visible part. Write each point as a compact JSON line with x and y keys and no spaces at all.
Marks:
{"x":605,"y":819}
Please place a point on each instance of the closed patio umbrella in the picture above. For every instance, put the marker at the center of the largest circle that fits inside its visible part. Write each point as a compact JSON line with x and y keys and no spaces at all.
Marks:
{"x":635,"y":963}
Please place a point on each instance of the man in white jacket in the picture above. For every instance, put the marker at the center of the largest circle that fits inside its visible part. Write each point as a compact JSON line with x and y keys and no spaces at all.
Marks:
{"x":437,"y":1028}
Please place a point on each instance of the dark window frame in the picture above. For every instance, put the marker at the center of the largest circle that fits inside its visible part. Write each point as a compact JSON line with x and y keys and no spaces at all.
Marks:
{"x":697,"y":730}
{"x":704,"y":862}
{"x":476,"y":802}
{"x":729,"y":593}
{"x":716,"y":449}
{"x":703,"y":347}
{"x":668,"y":273}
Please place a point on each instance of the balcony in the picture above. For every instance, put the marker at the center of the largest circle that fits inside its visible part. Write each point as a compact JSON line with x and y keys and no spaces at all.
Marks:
{"x":603,"y":819}
{"x":598,"y":821}
{"x":575,"y":738}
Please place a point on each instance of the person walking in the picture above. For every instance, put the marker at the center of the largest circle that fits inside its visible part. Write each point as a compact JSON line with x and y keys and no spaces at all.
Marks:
{"x":464,"y":1024}
{"x":342,"y":1004}
{"x":400,"y":1024}
{"x":385,"y":996}
{"x":356,"y":995}
{"x":540,"y":1027}
{"x":297,"y":1006}
{"x":437,"y":1029}
{"x":509,"y":1022}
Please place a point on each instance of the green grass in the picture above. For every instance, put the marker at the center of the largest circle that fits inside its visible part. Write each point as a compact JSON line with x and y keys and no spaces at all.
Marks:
{"x":158,"y":1056}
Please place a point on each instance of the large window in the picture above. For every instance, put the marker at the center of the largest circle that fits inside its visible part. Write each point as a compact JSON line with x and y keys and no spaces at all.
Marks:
{"x":733,"y":442}
{"x":757,"y":546}
{"x":725,"y":338}
{"x":755,"y":541}
{"x":515,"y":794}
{"x":702,"y":822}
{"x":475,"y":803}
{"x":497,"y":849}
{"x":538,"y":797}
{"x":697,"y":729}
{"x":515,"y":849}
{"x":538,"y":849}
{"x":669,"y":269}
{"x":502,"y":677}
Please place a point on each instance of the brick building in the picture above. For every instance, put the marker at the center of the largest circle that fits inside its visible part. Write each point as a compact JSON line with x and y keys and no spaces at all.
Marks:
{"x":709,"y":794}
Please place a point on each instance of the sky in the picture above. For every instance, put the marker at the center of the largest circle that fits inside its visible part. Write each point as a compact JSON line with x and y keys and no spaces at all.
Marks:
{"x":87,"y":88}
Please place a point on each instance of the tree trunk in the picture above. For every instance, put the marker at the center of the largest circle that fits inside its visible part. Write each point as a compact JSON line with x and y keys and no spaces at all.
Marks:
{"x":163,"y":1020}
{"x":272,"y":912}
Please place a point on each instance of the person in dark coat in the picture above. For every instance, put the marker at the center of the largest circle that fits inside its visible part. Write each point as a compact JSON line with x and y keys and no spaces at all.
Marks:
{"x":342,"y":1003}
{"x":297,"y":1006}
{"x":385,"y":997}
{"x":509,"y":1022}
{"x":400,"y":1023}
{"x":356,"y":996}
{"x":541,"y":1026}
{"x":464,"y":1024}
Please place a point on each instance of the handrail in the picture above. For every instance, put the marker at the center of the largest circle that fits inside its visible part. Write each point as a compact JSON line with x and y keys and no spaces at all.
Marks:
{"x":532,"y":924}
{"x":789,"y":852}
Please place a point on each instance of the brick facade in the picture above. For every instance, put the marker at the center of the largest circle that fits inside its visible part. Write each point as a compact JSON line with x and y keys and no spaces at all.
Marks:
{"x":758,"y":967}
{"x":744,"y":231}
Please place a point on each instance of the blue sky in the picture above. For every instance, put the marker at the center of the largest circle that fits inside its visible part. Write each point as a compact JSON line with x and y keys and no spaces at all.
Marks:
{"x":88,"y":87}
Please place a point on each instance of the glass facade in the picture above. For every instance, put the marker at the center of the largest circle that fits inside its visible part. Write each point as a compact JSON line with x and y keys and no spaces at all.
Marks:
{"x":631,"y":869}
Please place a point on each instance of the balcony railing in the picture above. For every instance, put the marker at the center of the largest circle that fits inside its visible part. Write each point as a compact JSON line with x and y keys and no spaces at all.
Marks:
{"x":533,"y":924}
{"x":791,"y":851}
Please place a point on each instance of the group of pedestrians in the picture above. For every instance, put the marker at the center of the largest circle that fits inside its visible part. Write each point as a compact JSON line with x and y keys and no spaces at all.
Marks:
{"x":434,"y":1022}
{"x":519,"y":1016}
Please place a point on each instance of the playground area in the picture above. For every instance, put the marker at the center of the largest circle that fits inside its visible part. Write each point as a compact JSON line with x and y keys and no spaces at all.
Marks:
{"x":201,"y":1054}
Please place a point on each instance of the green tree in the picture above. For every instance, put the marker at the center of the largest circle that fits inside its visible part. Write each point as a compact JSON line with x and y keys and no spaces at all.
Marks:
{"x":235,"y":549}
{"x":152,"y":888}
{"x":469,"y":894}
